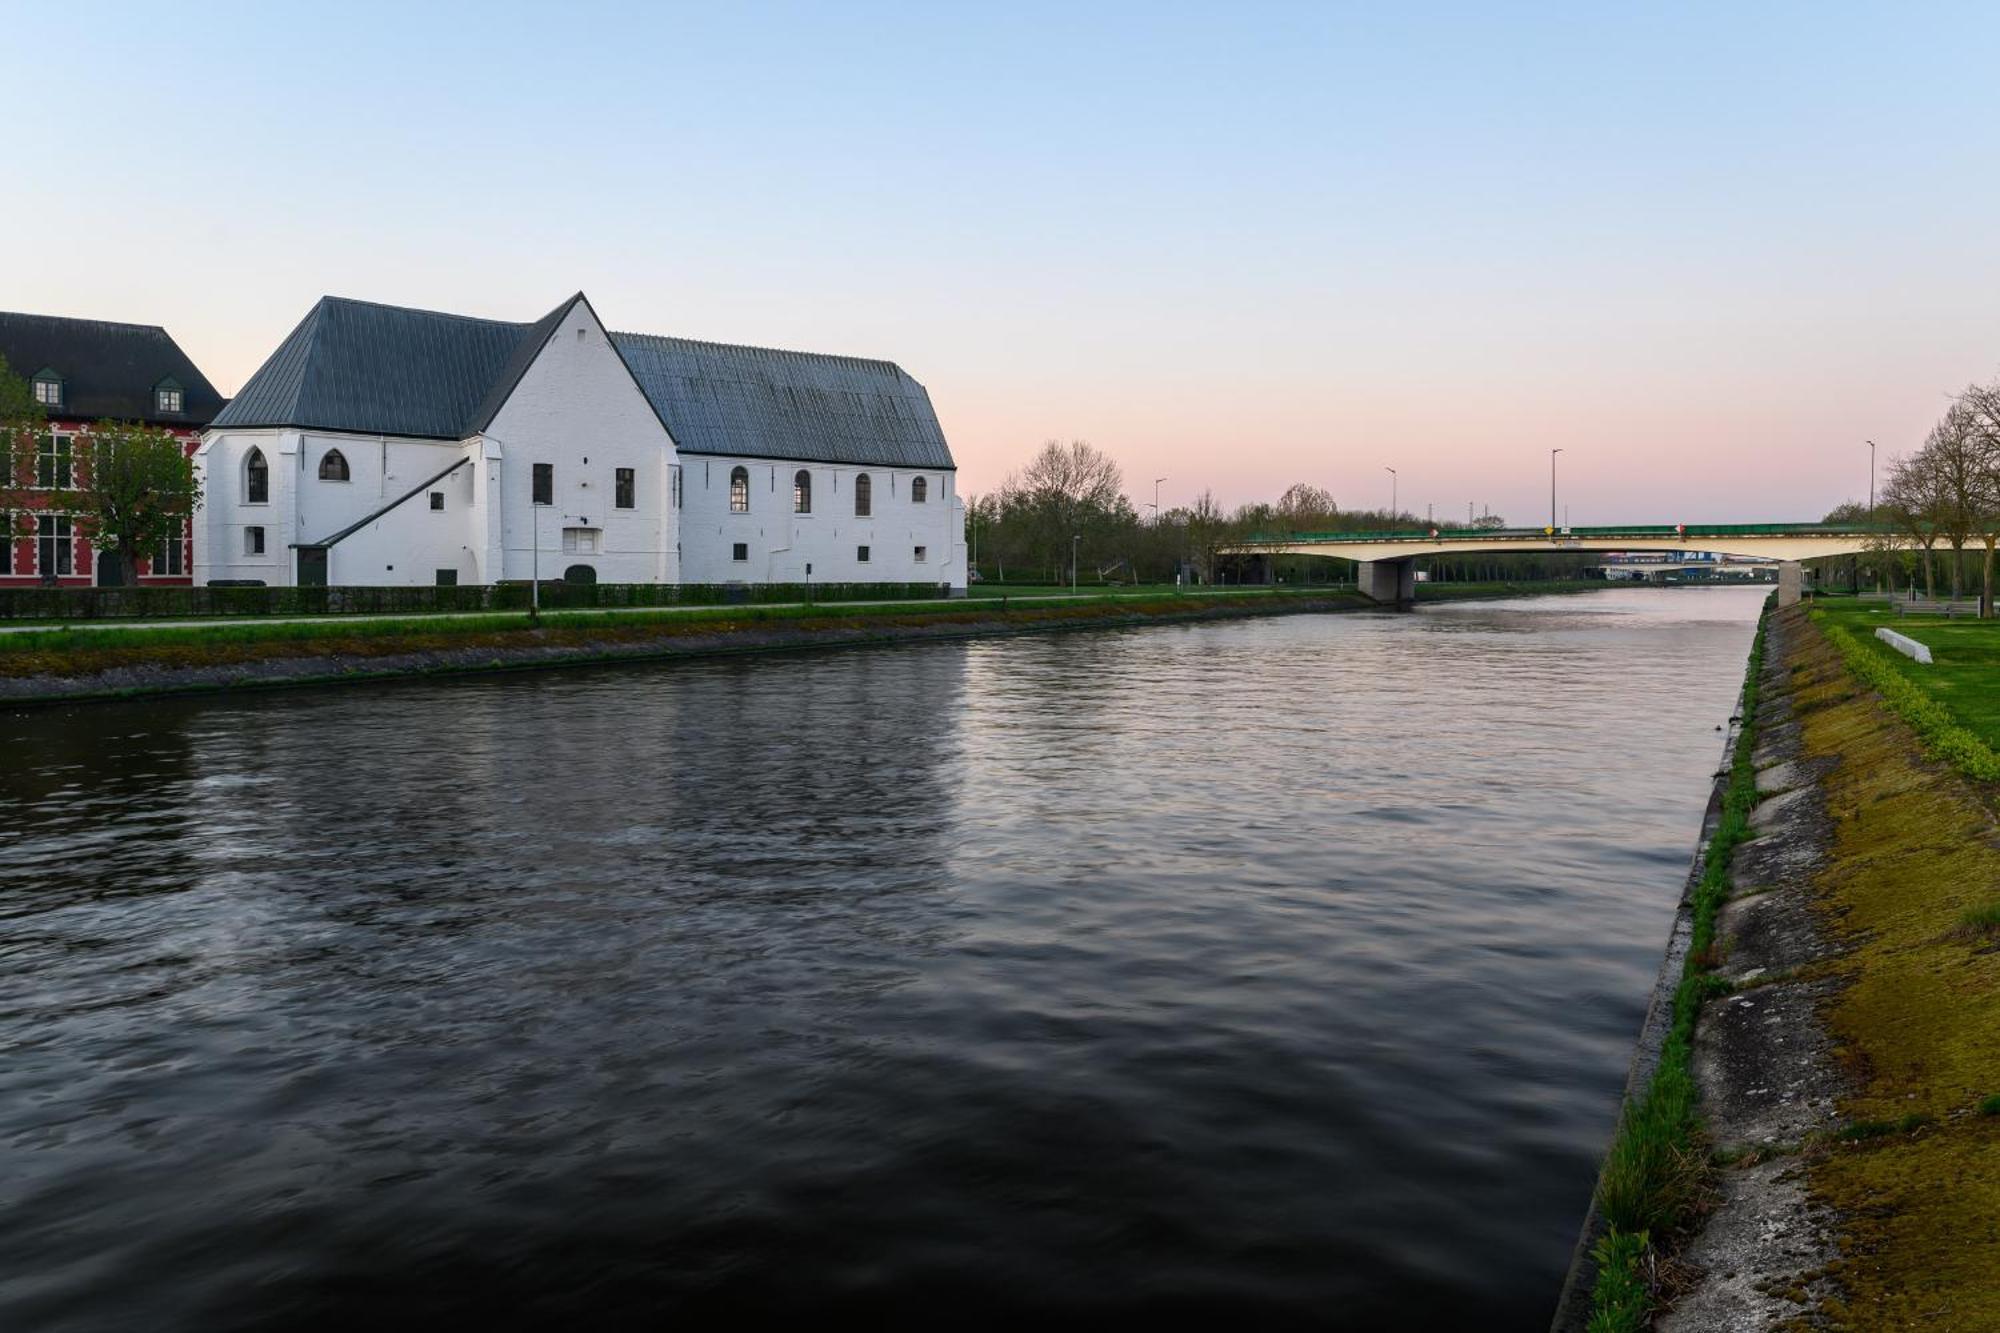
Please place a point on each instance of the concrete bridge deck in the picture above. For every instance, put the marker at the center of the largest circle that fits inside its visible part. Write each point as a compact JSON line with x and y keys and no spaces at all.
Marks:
{"x":1387,"y":560}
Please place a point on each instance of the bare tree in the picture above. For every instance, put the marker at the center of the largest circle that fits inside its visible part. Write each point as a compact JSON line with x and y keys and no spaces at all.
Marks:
{"x":1914,"y":501}
{"x":1958,"y":457}
{"x":1980,"y":405}
{"x":1067,"y":490}
{"x":1306,"y":508}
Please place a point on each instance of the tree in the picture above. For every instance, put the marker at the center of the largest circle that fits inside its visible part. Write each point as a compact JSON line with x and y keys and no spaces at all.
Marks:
{"x":1958,"y":457}
{"x":135,"y":489}
{"x":1980,"y":405}
{"x":1067,"y":491}
{"x":20,"y":421}
{"x":1914,"y":500}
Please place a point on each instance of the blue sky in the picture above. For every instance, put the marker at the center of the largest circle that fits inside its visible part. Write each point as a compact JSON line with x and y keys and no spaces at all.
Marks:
{"x":1707,"y":251}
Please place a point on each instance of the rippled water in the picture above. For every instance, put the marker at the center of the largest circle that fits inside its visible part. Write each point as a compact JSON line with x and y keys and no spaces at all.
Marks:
{"x":1283,"y":970}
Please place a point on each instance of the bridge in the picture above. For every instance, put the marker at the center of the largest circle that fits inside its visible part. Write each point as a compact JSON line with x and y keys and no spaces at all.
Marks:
{"x":1387,"y":570}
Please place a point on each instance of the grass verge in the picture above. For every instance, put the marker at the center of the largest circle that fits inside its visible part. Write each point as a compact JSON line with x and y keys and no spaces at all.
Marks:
{"x":1945,"y":734}
{"x":1655,"y":1173}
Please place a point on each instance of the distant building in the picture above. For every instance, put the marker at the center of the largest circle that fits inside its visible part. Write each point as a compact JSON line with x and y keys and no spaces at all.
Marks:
{"x":84,"y":371}
{"x":384,"y":445}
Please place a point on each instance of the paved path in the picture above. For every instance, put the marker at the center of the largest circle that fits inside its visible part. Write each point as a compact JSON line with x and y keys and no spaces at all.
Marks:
{"x":363,"y":618}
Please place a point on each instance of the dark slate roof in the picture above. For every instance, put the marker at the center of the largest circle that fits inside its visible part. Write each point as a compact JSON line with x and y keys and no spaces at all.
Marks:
{"x":717,"y":398}
{"x":109,"y":370}
{"x":376,"y":369}
{"x":387,"y":370}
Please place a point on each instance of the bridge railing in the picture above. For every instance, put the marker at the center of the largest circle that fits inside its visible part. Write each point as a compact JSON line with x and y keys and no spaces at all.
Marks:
{"x":1626,"y":532}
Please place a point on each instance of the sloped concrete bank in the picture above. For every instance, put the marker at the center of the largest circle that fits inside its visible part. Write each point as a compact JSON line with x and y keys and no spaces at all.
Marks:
{"x":1848,"y":1054}
{"x":518,"y":650}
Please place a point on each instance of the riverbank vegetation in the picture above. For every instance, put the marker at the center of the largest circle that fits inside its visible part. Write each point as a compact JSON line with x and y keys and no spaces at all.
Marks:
{"x":1654,"y":1178}
{"x":66,"y":651}
{"x":1916,"y":1009}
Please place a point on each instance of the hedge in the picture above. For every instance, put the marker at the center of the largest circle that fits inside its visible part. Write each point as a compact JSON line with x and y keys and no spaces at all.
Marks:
{"x":165,"y":602}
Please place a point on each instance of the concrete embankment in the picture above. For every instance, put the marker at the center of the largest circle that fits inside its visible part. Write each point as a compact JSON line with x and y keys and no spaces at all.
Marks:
{"x":1848,"y":1056}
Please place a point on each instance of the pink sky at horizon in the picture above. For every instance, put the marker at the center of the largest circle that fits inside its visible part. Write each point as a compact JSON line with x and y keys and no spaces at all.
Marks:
{"x":1707,"y":254}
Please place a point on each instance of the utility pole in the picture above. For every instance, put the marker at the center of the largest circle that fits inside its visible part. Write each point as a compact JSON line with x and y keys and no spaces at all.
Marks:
{"x":1392,"y":491}
{"x":1078,"y":537}
{"x":1156,"y":498}
{"x":1552,"y":486}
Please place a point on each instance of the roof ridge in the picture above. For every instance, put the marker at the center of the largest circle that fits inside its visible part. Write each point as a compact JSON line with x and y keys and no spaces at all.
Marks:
{"x":84,"y":319}
{"x":760,"y":347}
{"x":422,"y":310}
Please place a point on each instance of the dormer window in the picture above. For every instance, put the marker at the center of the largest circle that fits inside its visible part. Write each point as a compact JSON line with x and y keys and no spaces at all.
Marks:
{"x":49,"y":389}
{"x":167,"y":397}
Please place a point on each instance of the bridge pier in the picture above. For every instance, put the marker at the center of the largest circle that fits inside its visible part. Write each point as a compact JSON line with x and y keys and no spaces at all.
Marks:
{"x":1790,"y":575}
{"x":1390,"y":582}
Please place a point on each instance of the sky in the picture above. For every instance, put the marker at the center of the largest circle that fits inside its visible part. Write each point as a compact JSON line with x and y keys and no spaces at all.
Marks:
{"x":1708,"y":252}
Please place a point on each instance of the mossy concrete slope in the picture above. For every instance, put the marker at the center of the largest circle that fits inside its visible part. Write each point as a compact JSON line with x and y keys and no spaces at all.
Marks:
{"x":1842,"y":1078}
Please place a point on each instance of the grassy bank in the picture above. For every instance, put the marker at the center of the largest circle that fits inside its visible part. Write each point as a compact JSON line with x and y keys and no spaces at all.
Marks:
{"x":1953,"y":704}
{"x":1912,"y":888}
{"x":66,"y":652}
{"x":1652,"y":1184}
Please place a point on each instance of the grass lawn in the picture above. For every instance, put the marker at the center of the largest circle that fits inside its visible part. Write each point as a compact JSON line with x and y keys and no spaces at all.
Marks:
{"x":1965,"y":674}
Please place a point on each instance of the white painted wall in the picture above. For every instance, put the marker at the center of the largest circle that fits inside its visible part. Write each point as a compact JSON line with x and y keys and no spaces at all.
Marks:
{"x":578,"y":408}
{"x":781,"y":542}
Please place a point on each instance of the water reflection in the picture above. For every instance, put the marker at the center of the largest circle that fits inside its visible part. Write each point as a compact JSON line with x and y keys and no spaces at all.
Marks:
{"x":1284,"y":969}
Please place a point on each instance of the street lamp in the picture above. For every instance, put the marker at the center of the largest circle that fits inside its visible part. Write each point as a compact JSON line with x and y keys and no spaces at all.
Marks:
{"x":1156,"y":498}
{"x":1552,"y":488}
{"x":1392,"y":491}
{"x":1871,"y":480}
{"x":1072,"y":560}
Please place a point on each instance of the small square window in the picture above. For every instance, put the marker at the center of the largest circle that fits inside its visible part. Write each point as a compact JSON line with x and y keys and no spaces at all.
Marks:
{"x":545,"y":483}
{"x":625,"y":489}
{"x":861,"y":554}
{"x":922,"y":551}
{"x":581,"y":541}
{"x":437,"y":499}
{"x":253,"y":541}
{"x":741,"y":551}
{"x":167,"y":400}
{"x":447,"y":578}
{"x":48,"y":392}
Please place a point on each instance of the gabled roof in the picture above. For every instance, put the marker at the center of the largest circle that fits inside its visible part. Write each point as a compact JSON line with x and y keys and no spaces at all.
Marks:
{"x":376,"y":369}
{"x":718,"y":398}
{"x":109,"y":371}
{"x":386,"y":370}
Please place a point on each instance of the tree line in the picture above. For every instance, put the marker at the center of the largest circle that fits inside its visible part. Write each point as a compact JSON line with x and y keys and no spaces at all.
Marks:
{"x":1067,"y":510}
{"x":1945,"y":496}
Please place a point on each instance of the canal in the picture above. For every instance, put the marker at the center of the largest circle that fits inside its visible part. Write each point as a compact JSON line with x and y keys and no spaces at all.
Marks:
{"x":1280,"y":970}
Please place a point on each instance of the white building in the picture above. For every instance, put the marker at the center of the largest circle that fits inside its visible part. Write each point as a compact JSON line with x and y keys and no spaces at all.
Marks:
{"x":380,"y":445}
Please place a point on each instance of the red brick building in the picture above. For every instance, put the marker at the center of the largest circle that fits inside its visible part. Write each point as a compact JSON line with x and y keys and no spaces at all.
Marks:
{"x":84,"y":371}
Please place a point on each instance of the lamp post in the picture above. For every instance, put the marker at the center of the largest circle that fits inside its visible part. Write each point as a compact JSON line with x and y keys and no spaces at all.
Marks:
{"x":1871,"y":481}
{"x":1156,"y":498}
{"x":1392,"y":492}
{"x":1078,"y":537}
{"x":535,"y":564}
{"x":1552,"y":487}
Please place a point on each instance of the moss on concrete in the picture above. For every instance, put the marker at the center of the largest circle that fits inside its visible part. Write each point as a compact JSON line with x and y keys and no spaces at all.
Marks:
{"x":1916,"y":1017}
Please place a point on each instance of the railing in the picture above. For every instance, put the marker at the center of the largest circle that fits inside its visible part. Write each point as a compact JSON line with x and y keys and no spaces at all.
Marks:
{"x":1668,"y":531}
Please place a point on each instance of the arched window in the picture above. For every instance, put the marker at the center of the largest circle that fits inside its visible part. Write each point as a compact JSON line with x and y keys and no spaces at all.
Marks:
{"x":864,"y":496}
{"x":333,"y":466}
{"x":920,"y":490}
{"x":739,"y":490}
{"x":256,"y":478}
{"x":802,"y":492}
